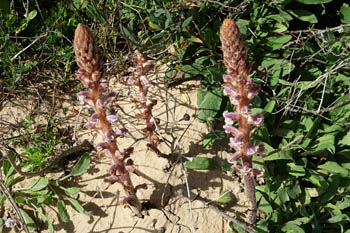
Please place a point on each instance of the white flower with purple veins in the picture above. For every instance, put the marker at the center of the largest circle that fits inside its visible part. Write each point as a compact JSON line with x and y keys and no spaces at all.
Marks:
{"x":252,"y":92}
{"x":112,"y":116}
{"x":251,"y":150}
{"x":232,"y":94}
{"x":230,"y":117}
{"x":236,"y":142}
{"x":231,"y":129}
{"x":121,"y":132}
{"x":228,"y":78}
{"x":256,"y":120}
{"x":85,"y":97}
{"x":232,"y":158}
{"x":146,"y":82}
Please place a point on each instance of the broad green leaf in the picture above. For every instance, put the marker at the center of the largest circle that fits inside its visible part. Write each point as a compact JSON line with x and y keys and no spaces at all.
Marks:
{"x":270,"y":106}
{"x":79,"y":208}
{"x":314,"y":1}
{"x":300,"y":221}
{"x":45,"y":219}
{"x":283,"y":195}
{"x":186,"y":22}
{"x":225,"y":197}
{"x":292,"y":228}
{"x":71,"y":190}
{"x":278,"y":68}
{"x":62,"y":211}
{"x":38,"y":184}
{"x":226,"y":166}
{"x":199,"y":163}
{"x":209,"y":103}
{"x":345,"y":13}
{"x":128,"y":34}
{"x":82,"y":165}
{"x":304,"y":15}
{"x":236,"y":228}
{"x":335,"y":168}
{"x":20,"y":199}
{"x":154,"y":26}
{"x":210,"y":138}
{"x":264,"y":204}
{"x":31,"y":15}
{"x":345,"y":140}
{"x":276,"y":42}
{"x":343,"y":204}
{"x":296,"y":170}
{"x":339,"y":218}
{"x":28,"y":220}
{"x":334,"y":182}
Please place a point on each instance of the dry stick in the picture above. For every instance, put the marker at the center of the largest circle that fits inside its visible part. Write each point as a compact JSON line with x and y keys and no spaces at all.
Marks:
{"x":14,"y":205}
{"x":28,"y":46}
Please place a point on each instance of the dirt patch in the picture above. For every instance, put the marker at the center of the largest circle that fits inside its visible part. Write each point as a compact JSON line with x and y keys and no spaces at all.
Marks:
{"x":172,"y":194}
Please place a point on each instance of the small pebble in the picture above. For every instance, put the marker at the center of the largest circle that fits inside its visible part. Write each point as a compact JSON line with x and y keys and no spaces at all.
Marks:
{"x":186,"y":117}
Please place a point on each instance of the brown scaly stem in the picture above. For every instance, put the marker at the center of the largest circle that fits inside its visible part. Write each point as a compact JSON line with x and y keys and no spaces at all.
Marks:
{"x":90,"y":74}
{"x":241,"y":90}
{"x":143,"y":66}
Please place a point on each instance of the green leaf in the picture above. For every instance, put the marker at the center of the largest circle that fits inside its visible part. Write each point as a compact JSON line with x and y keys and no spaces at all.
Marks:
{"x":45,"y":219}
{"x":82,"y":165}
{"x":128,"y":34}
{"x":270,"y":106}
{"x":199,"y":163}
{"x":276,"y":42}
{"x":71,"y":190}
{"x":38,"y":184}
{"x":32,"y":15}
{"x":292,"y":228}
{"x":314,"y":1}
{"x":62,"y":211}
{"x":28,"y":220}
{"x":339,"y":218}
{"x":154,"y":26}
{"x":278,"y":68}
{"x":345,"y":140}
{"x":186,"y":22}
{"x":335,"y":168}
{"x":79,"y":208}
{"x":334,"y":182}
{"x":296,"y":170}
{"x":210,"y":138}
{"x":225,"y":197}
{"x":283,"y":195}
{"x":236,"y":228}
{"x":345,"y":13}
{"x":304,"y":15}
{"x":209,"y":103}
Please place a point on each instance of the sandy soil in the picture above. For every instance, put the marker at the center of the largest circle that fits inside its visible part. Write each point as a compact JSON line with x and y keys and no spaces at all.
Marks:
{"x":173,"y":192}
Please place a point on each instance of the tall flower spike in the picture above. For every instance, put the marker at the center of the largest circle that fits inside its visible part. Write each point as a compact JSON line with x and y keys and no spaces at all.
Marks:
{"x":241,"y":90}
{"x":89,"y":74}
{"x":234,"y":50}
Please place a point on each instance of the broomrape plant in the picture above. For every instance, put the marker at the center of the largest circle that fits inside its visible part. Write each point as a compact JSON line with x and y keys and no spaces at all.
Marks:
{"x":241,"y":90}
{"x":90,"y":74}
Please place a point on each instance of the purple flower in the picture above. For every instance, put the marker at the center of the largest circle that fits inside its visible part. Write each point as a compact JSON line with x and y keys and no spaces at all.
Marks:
{"x":146,"y":82}
{"x":232,"y":158}
{"x":253,"y":90}
{"x":261,"y":149}
{"x":94,"y":117}
{"x":230,"y":117}
{"x":249,"y":82}
{"x":258,"y":172}
{"x":104,"y":84}
{"x":82,"y":95}
{"x":231,"y":129}
{"x":228,"y":91}
{"x":96,"y":75}
{"x":109,"y":136}
{"x":90,"y":125}
{"x":121,"y":132}
{"x":251,"y":150}
{"x":246,"y":111}
{"x":101,"y":146}
{"x":112,"y":116}
{"x":109,"y":97}
{"x":236,"y":142}
{"x":256,"y":120}
{"x":228,"y":78}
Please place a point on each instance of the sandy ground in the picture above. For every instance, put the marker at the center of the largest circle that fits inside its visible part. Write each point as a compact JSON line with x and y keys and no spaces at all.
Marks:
{"x":173,"y":192}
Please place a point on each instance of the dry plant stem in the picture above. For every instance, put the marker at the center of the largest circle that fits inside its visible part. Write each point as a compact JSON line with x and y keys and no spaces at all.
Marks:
{"x":241,"y":90}
{"x":90,"y":73}
{"x":143,"y":66}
